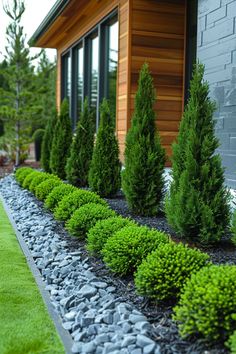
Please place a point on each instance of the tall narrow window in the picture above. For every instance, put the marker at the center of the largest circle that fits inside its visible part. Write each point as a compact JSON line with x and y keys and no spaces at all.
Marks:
{"x":112,"y":66}
{"x":80,"y":80}
{"x":66,"y":77}
{"x":191,"y":43}
{"x":94,"y":73}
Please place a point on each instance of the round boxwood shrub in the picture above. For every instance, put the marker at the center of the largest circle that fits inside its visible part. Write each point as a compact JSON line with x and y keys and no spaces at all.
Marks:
{"x":102,"y":230}
{"x":231,"y":343}
{"x":125,"y":250}
{"x":162,"y":274}
{"x":21,"y":174}
{"x":29,"y":178}
{"x":57,"y":194}
{"x":39,"y":179}
{"x":46,"y":187}
{"x":70,"y":203}
{"x":86,"y":217}
{"x":208,"y":303}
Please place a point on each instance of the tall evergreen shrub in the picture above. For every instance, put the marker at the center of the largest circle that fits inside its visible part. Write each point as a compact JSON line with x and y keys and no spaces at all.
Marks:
{"x":78,"y":163}
{"x":62,"y":138}
{"x":198,"y":203}
{"x":104,"y":173}
{"x":47,"y":142}
{"x":142,"y":179}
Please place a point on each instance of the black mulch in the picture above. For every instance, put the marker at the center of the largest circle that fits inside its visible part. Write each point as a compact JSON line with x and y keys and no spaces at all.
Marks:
{"x":164,"y":329}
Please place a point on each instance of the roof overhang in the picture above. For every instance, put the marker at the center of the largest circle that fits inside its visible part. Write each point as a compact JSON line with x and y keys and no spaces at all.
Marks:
{"x":51,"y":17}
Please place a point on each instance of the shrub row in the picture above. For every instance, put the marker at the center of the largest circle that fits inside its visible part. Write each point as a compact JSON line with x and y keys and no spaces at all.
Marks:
{"x":163,"y":270}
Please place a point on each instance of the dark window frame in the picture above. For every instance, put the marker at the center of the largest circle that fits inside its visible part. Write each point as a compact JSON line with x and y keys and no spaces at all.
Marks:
{"x":101,"y":29}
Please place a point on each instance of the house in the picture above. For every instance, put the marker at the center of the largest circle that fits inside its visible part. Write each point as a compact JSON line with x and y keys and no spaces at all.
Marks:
{"x":102,"y":44}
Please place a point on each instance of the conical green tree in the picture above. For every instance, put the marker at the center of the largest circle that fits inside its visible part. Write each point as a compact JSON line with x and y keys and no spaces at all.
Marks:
{"x":47,"y":142}
{"x":142,"y":179}
{"x":62,"y":138}
{"x":104,"y":173}
{"x":197,"y":206}
{"x":78,"y":163}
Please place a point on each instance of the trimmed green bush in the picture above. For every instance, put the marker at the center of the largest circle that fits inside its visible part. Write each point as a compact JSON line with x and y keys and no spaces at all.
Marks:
{"x":207,"y":304}
{"x":21,"y":174}
{"x":162,"y":275}
{"x":125,"y":250}
{"x":38,"y":139}
{"x":29,"y":178}
{"x":39,"y":179}
{"x":56,"y":195}
{"x":78,"y":163}
{"x":70,"y":203}
{"x":86,"y":217}
{"x":142,"y":179}
{"x":233,"y":228}
{"x":198,"y":203}
{"x":46,"y":187}
{"x":102,"y":230}
{"x":62,"y":139}
{"x":231,"y":343}
{"x":47,"y":142}
{"x":104,"y":173}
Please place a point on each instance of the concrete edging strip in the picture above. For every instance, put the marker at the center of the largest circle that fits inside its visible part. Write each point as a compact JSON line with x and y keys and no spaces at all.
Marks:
{"x":64,"y":335}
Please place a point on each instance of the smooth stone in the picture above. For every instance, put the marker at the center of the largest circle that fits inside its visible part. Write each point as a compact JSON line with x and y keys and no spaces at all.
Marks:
{"x":142,"y":326}
{"x":77,"y":347}
{"x":99,"y":284}
{"x":89,"y":347}
{"x":149,"y":349}
{"x":70,"y":316}
{"x":102,"y":338}
{"x":67,"y":325}
{"x":80,"y":336}
{"x":87,"y":291}
{"x":137,"y":318}
{"x":143,"y":340}
{"x":128,"y":340}
{"x":136,"y":351}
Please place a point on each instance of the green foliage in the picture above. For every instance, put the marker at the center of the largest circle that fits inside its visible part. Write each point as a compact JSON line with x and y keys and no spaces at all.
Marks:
{"x":39,"y":179}
{"x":104,"y":173}
{"x":162,"y":275}
{"x":62,"y":138}
{"x":142,"y":179}
{"x":198,"y":204}
{"x":29,"y":178}
{"x":78,"y":163}
{"x":102,"y":230}
{"x":21,"y":173}
{"x":231,"y":343}
{"x":38,"y":135}
{"x":233,"y":228}
{"x":207,"y":304}
{"x":86,"y":217}
{"x":47,"y":142}
{"x":70,"y":203}
{"x":56,"y":195}
{"x":125,"y":250}
{"x":46,"y":187}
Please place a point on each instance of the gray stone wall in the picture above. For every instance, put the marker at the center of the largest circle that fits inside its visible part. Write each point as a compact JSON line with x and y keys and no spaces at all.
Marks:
{"x":217,"y":50}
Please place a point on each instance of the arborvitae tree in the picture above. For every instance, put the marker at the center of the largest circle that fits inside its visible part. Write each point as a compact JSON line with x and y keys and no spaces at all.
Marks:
{"x":198,"y":203}
{"x":78,"y":163}
{"x":62,"y":138}
{"x":142,"y":179}
{"x":104,"y":173}
{"x":47,"y":142}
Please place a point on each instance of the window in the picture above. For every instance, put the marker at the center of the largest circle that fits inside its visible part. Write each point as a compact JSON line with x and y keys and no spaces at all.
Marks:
{"x":112,"y":66}
{"x":191,"y":43}
{"x":80,"y":80}
{"x":66,"y":74}
{"x":89,"y":68}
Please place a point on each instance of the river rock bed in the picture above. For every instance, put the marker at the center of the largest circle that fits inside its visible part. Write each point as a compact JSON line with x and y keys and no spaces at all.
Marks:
{"x":101,"y":311}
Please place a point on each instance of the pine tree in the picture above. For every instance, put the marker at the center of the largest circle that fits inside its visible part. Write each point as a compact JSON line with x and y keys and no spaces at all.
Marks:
{"x":47,"y":142}
{"x":198,"y":203}
{"x":104,"y":173}
{"x":62,"y":138}
{"x":142,"y":179}
{"x":78,"y":163}
{"x":19,"y":97}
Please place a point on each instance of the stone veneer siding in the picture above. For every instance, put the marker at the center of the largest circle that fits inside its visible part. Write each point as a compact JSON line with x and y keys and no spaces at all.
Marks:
{"x":216,"y":49}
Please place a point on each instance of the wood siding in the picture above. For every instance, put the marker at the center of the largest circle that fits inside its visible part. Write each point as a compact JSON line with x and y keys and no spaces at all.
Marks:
{"x":158,"y":32}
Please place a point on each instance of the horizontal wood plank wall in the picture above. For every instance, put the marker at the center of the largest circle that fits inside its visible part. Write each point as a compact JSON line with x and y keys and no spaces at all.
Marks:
{"x":158,"y":31}
{"x":123,"y":76}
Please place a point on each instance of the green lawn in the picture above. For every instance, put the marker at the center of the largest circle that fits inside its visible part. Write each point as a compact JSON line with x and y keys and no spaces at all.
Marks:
{"x":25,"y":326}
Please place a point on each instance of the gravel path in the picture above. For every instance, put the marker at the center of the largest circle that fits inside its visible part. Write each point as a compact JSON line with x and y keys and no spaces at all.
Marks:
{"x":101,"y":311}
